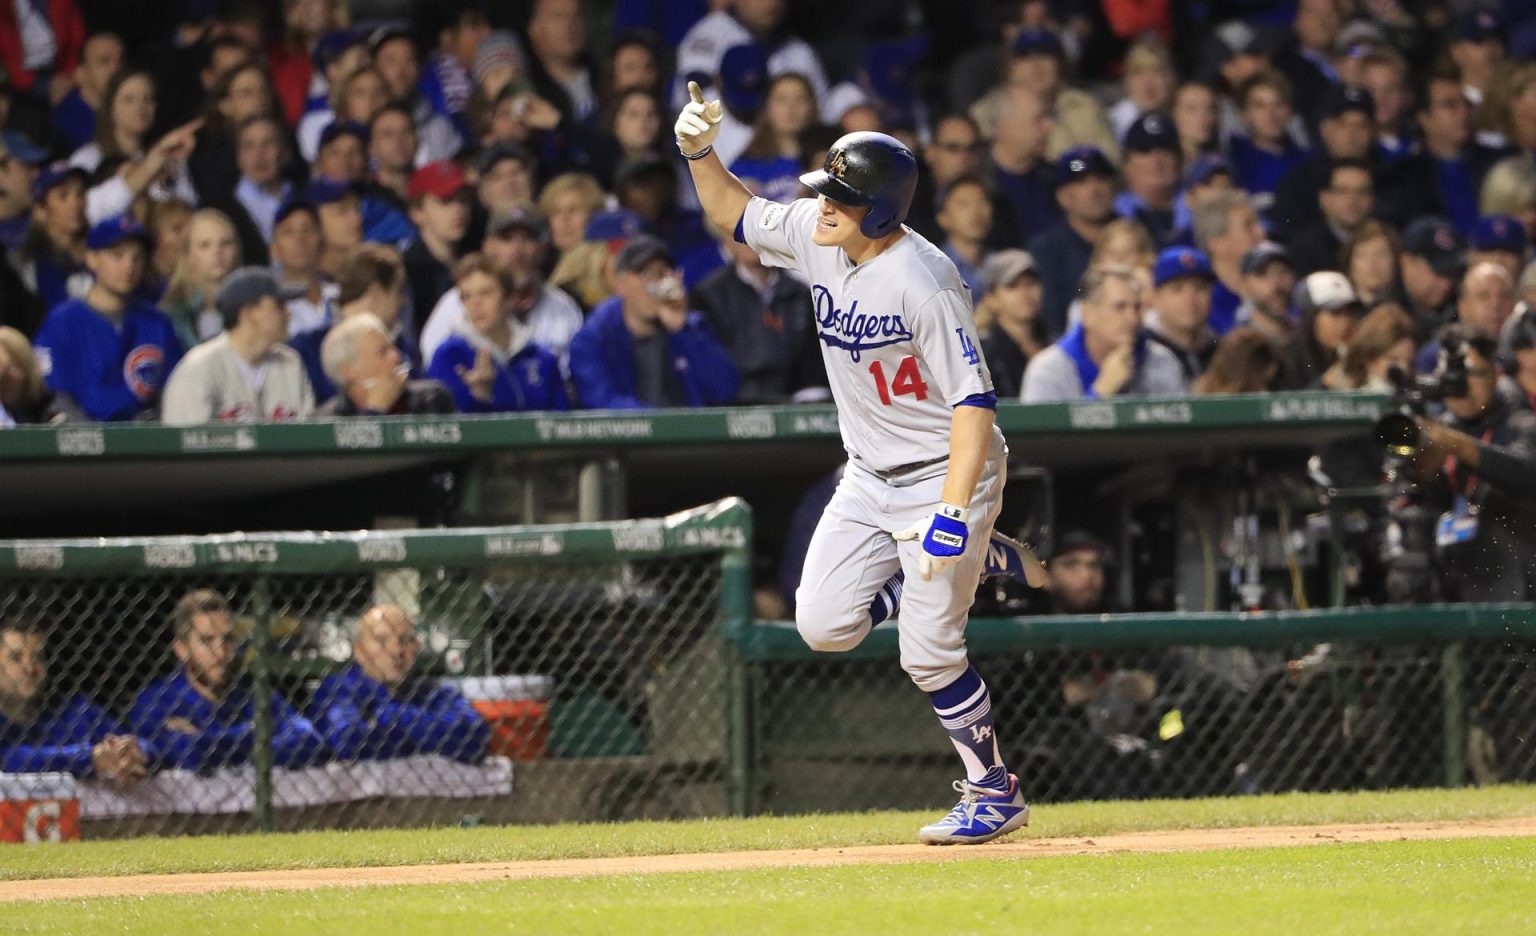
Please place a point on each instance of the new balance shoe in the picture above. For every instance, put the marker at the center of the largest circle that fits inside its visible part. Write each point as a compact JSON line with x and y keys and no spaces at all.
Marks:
{"x":981,"y":815}
{"x":1010,"y":558}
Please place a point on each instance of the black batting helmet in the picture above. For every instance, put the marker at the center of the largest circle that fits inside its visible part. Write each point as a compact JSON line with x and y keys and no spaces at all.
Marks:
{"x":868,"y":168}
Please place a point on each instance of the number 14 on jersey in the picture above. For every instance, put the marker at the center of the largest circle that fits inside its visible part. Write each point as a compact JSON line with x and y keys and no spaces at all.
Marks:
{"x":908,"y":381}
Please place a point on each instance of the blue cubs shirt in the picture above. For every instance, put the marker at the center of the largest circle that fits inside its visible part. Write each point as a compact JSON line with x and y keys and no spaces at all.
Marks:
{"x":113,"y":371}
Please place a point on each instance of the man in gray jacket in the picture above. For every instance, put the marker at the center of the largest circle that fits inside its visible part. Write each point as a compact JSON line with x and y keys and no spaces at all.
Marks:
{"x":246,"y":373}
{"x":1105,"y":355}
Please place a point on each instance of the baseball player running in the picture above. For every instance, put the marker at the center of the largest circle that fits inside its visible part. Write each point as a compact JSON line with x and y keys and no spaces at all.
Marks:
{"x":916,"y":411}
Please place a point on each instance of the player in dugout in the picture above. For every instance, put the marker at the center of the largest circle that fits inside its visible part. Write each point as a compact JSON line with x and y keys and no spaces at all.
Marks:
{"x":379,"y":707}
{"x":43,"y":731}
{"x":916,"y":410}
{"x":202,"y":717}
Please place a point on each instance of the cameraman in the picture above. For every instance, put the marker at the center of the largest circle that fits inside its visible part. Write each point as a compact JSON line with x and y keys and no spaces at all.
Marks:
{"x":1478,"y":467}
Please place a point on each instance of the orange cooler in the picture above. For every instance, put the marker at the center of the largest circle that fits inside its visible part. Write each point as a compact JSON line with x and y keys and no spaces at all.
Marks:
{"x":516,"y":708}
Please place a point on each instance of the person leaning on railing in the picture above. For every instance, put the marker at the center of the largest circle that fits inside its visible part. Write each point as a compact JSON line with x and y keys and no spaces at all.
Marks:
{"x":43,"y":731}
{"x":201,"y":717}
{"x":379,"y":707}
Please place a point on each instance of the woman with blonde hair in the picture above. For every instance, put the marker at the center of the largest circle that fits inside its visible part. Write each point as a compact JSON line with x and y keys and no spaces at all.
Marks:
{"x":212,"y":251}
{"x":1387,"y":337}
{"x":567,"y":203}
{"x":1148,"y":83}
{"x":167,"y":224}
{"x":23,"y":393}
{"x":1509,"y":188}
{"x":1246,"y":361}
{"x":583,"y":273}
{"x":1125,"y":242}
{"x":357,"y":98}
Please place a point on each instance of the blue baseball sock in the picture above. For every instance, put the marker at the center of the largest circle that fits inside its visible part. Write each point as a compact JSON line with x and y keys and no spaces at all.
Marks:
{"x":887,"y":600}
{"x":965,"y":710}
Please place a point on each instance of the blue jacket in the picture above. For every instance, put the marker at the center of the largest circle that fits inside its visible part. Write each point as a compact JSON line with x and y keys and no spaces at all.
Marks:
{"x":362,"y":719}
{"x":226,"y":728}
{"x":530,"y":381}
{"x":603,"y":362}
{"x":110,"y":373}
{"x":60,"y":740}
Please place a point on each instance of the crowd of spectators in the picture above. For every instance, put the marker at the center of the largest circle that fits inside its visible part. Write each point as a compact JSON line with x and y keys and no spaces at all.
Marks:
{"x":199,"y":717}
{"x":284,"y":210}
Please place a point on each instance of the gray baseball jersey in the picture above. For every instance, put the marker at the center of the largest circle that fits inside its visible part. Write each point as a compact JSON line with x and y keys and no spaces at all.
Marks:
{"x":897,"y":332}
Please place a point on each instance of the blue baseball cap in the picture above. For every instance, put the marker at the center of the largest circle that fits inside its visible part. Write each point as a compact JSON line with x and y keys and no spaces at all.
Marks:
{"x":1498,"y":232}
{"x":1480,"y":25}
{"x":55,"y":174}
{"x":323,"y":191}
{"x":333,"y":45}
{"x":744,"y":78}
{"x":15,"y":145}
{"x":341,"y":128}
{"x":1205,"y":167}
{"x":616,"y":225}
{"x":1081,"y":162}
{"x":1035,"y":41}
{"x":889,"y":66}
{"x":1178,"y":262}
{"x":1152,"y":132}
{"x":113,"y":231}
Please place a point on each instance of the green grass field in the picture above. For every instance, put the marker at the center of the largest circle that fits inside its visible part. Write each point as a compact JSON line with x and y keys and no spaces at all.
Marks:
{"x":1483,"y":886}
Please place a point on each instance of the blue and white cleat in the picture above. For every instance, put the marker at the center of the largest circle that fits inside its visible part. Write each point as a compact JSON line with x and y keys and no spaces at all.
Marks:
{"x":1010,"y":558}
{"x":981,"y":815}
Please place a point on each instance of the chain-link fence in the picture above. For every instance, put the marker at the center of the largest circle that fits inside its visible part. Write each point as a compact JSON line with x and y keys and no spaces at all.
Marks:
{"x":610,"y":672}
{"x":1136,"y":706}
{"x":248,"y":682}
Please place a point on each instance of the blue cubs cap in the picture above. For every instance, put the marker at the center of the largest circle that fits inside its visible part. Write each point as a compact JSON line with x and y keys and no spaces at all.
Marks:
{"x":1081,"y":162}
{"x":1480,"y":25}
{"x":744,"y":78}
{"x":113,"y":231}
{"x":248,"y":286}
{"x":1178,"y":262}
{"x":1036,"y":41}
{"x":53,"y":175}
{"x":333,"y":45}
{"x":613,"y":225}
{"x":15,"y":145}
{"x":342,"y":128}
{"x":1498,"y":232}
{"x":1152,"y":132}
{"x":1206,"y":168}
{"x":890,"y":67}
{"x":323,"y":191}
{"x":1437,"y":242}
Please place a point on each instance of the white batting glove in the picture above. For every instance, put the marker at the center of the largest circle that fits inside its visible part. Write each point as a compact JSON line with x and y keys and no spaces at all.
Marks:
{"x":944,"y":536}
{"x":698,"y":124}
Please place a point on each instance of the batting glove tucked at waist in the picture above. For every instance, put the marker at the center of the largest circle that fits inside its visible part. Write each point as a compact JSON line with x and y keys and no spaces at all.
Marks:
{"x":944,"y":536}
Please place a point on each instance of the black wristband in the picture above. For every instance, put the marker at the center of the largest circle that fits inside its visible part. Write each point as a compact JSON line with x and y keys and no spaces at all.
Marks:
{"x":700,"y":154}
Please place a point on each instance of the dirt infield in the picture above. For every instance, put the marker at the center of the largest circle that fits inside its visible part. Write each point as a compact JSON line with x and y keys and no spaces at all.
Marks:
{"x":1016,"y":848}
